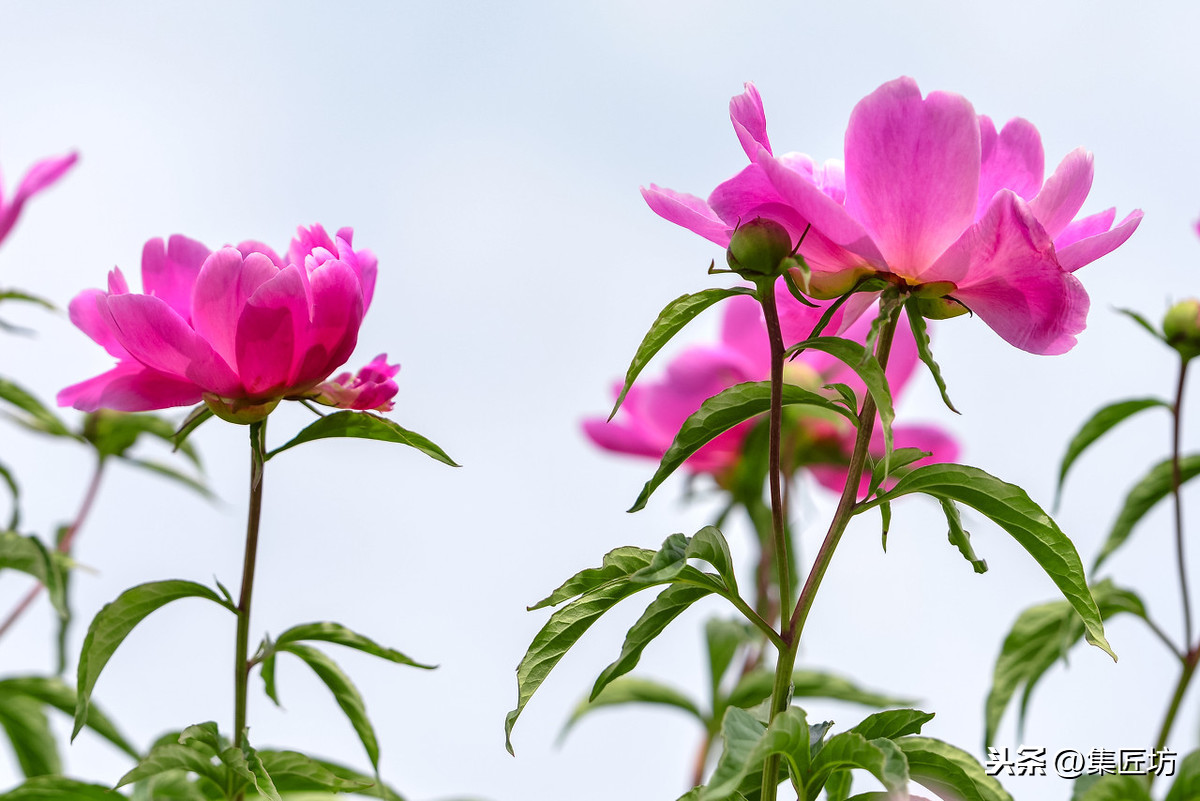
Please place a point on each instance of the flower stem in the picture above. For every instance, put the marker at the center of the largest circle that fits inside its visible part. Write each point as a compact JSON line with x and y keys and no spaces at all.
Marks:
{"x":766,"y":295}
{"x":781,"y":690}
{"x":64,"y":545}
{"x":1176,"y":480}
{"x":1185,"y":678}
{"x":241,"y":670}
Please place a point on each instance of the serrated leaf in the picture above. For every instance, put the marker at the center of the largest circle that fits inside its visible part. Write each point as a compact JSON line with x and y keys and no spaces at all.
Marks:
{"x":948,"y":771}
{"x":363,"y":425}
{"x":1100,"y":423}
{"x":925,"y":354}
{"x":344,"y":692}
{"x":880,"y":757}
{"x":1120,"y":787}
{"x":670,"y":321}
{"x":52,"y":691}
{"x":861,"y":361}
{"x":669,"y":604}
{"x":340,"y":635}
{"x":633,"y":690}
{"x":755,"y":687}
{"x":959,"y":537}
{"x":59,"y":788}
{"x":1010,"y":508}
{"x":1040,"y":637}
{"x":892,"y":723}
{"x":731,"y":407}
{"x":1151,"y":489}
{"x":37,"y":416}
{"x":113,"y":623}
{"x":24,"y":721}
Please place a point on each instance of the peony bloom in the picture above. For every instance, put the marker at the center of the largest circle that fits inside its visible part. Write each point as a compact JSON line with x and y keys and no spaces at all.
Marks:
{"x":40,"y":176}
{"x":813,"y":438}
{"x":931,"y":196}
{"x":240,"y":328}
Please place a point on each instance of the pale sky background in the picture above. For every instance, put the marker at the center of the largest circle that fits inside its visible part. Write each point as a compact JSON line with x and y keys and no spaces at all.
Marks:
{"x":490,"y":155}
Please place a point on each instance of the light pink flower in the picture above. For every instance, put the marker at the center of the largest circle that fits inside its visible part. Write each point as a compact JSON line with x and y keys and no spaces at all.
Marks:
{"x":373,"y":387}
{"x":820,"y":441}
{"x":931,"y":194}
{"x":39,"y":177}
{"x":240,"y":327}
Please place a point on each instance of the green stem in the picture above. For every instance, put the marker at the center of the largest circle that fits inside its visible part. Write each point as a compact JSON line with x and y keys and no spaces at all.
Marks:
{"x":241,"y":669}
{"x":781,"y":690}
{"x":766,"y":296}
{"x":1176,"y":480}
{"x":1185,"y":678}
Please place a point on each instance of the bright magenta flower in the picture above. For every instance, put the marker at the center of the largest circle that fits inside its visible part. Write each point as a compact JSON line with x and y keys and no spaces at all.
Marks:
{"x":931,"y":194}
{"x":39,"y":177}
{"x":373,"y":387}
{"x":240,"y":328}
{"x":822,"y":442}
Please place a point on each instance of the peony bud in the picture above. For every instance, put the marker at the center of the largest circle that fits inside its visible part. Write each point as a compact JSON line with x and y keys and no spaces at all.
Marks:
{"x":760,"y":247}
{"x":1181,"y":327}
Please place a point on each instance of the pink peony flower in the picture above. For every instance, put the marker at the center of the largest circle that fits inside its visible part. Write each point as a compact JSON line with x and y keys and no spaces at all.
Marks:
{"x":372,"y":389}
{"x":931,"y":195}
{"x":240,"y":328}
{"x":40,"y":176}
{"x":817,"y":440}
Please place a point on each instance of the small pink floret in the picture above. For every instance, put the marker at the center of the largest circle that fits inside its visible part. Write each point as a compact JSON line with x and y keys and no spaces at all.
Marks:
{"x":40,"y":176}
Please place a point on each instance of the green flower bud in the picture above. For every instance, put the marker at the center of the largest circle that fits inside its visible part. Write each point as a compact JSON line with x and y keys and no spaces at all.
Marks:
{"x":1181,"y":327}
{"x":759,"y":248}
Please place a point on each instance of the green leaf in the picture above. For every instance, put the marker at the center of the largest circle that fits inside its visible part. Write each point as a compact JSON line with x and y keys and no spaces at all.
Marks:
{"x":371,"y":786}
{"x":1120,"y":787}
{"x":748,"y":743}
{"x":1153,"y":487}
{"x":837,"y":786}
{"x":723,"y":411}
{"x":10,"y":481}
{"x":617,"y":564}
{"x":633,"y":690}
{"x":921,"y":335}
{"x":892,"y":723}
{"x":755,"y":687}
{"x":20,"y":295}
{"x":1097,"y":425}
{"x":28,"y":555}
{"x":1186,"y":786}
{"x":344,"y":692}
{"x":261,"y":777}
{"x":1040,"y":637}
{"x":24,"y":721}
{"x":364,"y":425}
{"x":901,"y":458}
{"x":166,"y":471}
{"x":880,"y":757}
{"x":340,"y":635}
{"x":859,"y":359}
{"x":293,"y":772}
{"x":197,"y":417}
{"x":948,"y":771}
{"x":113,"y":623}
{"x":959,"y":537}
{"x":1010,"y":508}
{"x":723,"y":638}
{"x":1144,"y":323}
{"x":58,"y":788}
{"x":165,"y":757}
{"x":669,"y":604}
{"x":53,"y":692}
{"x":37,"y":417}
{"x":671,"y":320}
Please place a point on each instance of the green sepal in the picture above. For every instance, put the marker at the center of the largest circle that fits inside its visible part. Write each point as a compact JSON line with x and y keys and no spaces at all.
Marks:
{"x":670,"y":321}
{"x":1011,"y":508}
{"x":1152,"y":488}
{"x":718,"y":414}
{"x":959,"y":537}
{"x":113,"y":623}
{"x":1040,"y":636}
{"x":925,"y":354}
{"x":363,"y":425}
{"x":1100,"y":423}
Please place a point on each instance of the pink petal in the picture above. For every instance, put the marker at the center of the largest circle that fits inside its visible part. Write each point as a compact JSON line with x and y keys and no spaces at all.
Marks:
{"x":308,"y":240}
{"x":750,"y":122}
{"x":271,"y":332}
{"x":40,"y":176}
{"x":170,"y":272}
{"x":130,"y":387}
{"x":254,"y":246}
{"x":224,"y":285}
{"x":85,"y":314}
{"x":912,"y":172}
{"x":337,"y":313}
{"x":1063,"y":195}
{"x":829,"y":219}
{"x":1012,"y":159}
{"x":1085,"y":251}
{"x":1013,"y":281}
{"x":160,"y":339}
{"x":688,"y":211}
{"x":1085,"y":227}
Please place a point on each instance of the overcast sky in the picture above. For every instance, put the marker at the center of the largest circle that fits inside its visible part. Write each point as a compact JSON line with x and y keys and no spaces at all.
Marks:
{"x":490,"y":155}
